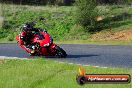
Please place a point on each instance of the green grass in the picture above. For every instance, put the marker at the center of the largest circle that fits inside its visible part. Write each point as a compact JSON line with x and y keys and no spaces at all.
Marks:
{"x":92,"y":42}
{"x":95,"y":42}
{"x":60,"y":21}
{"x":4,"y":40}
{"x":42,"y":73}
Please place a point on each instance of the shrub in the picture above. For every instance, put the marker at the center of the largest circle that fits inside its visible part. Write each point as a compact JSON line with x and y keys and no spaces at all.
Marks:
{"x":3,"y":33}
{"x":10,"y":37}
{"x":86,"y":13}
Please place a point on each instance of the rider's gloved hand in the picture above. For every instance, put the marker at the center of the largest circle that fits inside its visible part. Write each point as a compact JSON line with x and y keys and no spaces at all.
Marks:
{"x":33,"y":47}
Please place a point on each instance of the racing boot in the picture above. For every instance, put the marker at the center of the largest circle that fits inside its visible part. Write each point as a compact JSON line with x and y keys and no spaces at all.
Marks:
{"x":31,"y":48}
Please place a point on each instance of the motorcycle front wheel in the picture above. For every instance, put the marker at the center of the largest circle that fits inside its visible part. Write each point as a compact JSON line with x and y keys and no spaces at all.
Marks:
{"x":60,"y":53}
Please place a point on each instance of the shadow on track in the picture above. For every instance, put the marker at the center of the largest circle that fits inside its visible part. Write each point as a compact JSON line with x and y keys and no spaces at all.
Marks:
{"x":79,"y":56}
{"x":68,"y":56}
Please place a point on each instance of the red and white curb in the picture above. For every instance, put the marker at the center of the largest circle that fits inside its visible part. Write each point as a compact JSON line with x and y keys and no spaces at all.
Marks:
{"x":82,"y":64}
{"x":5,"y":57}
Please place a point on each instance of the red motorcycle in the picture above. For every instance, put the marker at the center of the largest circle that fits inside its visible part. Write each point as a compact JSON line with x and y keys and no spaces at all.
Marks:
{"x":43,"y":45}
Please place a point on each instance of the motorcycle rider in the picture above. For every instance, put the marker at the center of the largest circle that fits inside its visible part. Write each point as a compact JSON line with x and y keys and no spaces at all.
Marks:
{"x":26,"y":34}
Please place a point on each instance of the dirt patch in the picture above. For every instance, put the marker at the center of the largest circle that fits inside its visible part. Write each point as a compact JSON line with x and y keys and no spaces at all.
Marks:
{"x":2,"y":61}
{"x":121,"y":35}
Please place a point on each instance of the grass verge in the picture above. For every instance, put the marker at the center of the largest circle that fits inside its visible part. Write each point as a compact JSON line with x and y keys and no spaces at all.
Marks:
{"x":96,"y":42}
{"x":92,"y":42}
{"x":42,"y":73}
{"x":4,"y":40}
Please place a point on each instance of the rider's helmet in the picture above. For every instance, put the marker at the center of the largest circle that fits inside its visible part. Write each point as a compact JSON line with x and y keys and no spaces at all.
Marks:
{"x":27,"y":27}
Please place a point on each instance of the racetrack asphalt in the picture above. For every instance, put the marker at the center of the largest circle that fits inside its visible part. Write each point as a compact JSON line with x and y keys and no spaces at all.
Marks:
{"x":96,"y":55}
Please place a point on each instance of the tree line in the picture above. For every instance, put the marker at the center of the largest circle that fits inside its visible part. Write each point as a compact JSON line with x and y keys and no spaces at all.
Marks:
{"x":40,"y":2}
{"x":61,"y":2}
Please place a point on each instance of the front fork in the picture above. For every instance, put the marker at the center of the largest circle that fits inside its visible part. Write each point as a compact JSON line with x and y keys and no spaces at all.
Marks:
{"x":25,"y":48}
